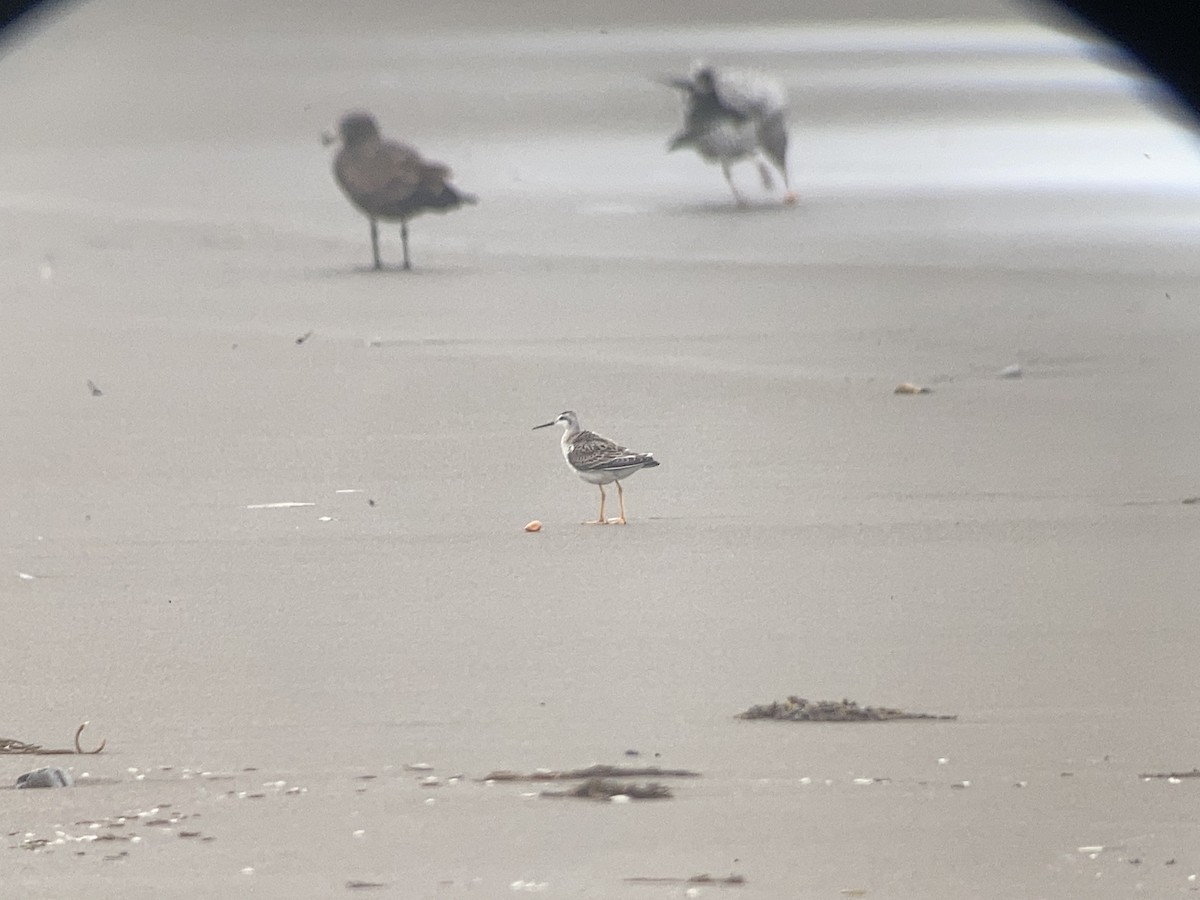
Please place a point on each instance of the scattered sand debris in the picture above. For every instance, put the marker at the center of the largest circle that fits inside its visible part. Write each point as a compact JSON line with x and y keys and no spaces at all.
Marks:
{"x":96,"y":392}
{"x":1188,"y":501}
{"x":597,"y":771}
{"x":533,"y":526}
{"x":304,"y":337}
{"x":11,"y":745}
{"x":797,"y":709}
{"x":1195,"y":773}
{"x":908,"y":387}
{"x":607,"y":789}
{"x":365,"y":885}
{"x":1013,"y":371}
{"x":695,"y":879}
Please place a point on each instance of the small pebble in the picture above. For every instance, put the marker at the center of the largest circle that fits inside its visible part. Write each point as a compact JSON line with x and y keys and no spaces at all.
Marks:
{"x":533,"y":526}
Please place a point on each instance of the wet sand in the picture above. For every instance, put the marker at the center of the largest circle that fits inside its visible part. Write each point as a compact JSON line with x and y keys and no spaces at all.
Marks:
{"x":1013,"y":551}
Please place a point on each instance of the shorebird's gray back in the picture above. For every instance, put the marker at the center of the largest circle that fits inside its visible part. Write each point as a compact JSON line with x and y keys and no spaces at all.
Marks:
{"x":388,"y":179}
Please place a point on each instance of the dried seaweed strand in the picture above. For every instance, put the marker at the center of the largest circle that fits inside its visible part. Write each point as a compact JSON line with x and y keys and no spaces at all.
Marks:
{"x":14,"y":747}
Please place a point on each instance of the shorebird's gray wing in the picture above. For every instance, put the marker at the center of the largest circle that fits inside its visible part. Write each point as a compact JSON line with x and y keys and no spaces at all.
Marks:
{"x":392,"y":180}
{"x":592,"y":453}
{"x":375,"y":174}
{"x":749,"y":94}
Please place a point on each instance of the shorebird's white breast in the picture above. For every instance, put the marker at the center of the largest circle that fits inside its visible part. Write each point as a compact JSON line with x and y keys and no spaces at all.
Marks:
{"x":603,"y":476}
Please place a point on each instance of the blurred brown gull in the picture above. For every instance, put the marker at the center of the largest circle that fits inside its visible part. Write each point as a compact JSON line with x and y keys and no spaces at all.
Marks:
{"x":730,"y":115}
{"x":389,"y":180}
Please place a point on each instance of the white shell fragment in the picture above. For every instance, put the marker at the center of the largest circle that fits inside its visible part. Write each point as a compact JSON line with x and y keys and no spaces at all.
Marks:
{"x":284,"y":505}
{"x":1013,"y":371}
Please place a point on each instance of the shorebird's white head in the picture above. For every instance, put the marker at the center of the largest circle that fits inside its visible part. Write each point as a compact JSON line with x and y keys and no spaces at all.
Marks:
{"x":567,"y":419}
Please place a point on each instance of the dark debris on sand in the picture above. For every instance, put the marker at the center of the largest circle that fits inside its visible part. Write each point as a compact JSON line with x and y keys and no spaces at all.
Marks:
{"x":797,"y":709}
{"x":1195,"y":773}
{"x":606,"y":789}
{"x":597,"y":771}
{"x":695,"y":879}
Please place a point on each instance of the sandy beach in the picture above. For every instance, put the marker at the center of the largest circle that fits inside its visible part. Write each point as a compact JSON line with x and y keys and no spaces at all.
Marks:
{"x":976,"y":192}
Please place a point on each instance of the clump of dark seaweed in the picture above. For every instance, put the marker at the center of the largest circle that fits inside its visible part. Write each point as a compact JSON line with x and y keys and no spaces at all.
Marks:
{"x":596,"y":772}
{"x":797,"y":709}
{"x":607,"y":789}
{"x":1195,"y":773}
{"x":695,"y":879}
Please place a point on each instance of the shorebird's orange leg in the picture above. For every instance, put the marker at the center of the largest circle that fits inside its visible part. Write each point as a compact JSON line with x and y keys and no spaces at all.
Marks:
{"x":621,"y":497}
{"x":599,"y":520}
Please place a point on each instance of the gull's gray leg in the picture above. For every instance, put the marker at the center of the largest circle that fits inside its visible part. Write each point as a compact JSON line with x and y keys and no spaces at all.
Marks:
{"x":732,"y":186}
{"x":404,"y":240}
{"x":375,"y":244}
{"x":768,"y":181}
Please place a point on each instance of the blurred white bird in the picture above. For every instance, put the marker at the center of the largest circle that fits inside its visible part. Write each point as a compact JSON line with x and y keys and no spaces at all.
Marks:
{"x":731,"y":115}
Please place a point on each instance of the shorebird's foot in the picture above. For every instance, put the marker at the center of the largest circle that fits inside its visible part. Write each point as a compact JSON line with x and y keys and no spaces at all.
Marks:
{"x":620,"y":521}
{"x":598,"y":521}
{"x":789,"y":199}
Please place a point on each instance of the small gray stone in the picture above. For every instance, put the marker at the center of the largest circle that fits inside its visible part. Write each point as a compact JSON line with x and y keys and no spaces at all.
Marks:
{"x":46,"y":777}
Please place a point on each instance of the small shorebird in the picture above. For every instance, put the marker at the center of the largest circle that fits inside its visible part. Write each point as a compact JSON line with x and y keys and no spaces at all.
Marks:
{"x":731,"y":115}
{"x":389,"y":180}
{"x":598,"y":460}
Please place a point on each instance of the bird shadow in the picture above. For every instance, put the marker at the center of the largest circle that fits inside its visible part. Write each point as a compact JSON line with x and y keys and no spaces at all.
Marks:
{"x":387,"y":270}
{"x":731,"y":208}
